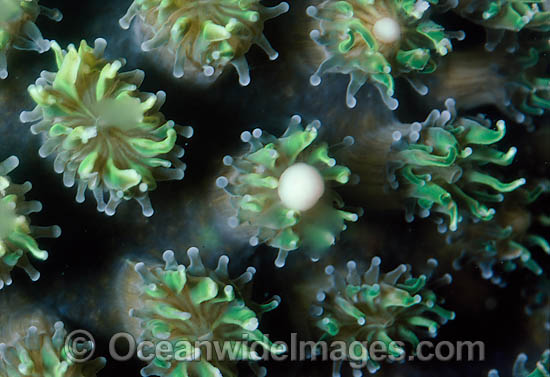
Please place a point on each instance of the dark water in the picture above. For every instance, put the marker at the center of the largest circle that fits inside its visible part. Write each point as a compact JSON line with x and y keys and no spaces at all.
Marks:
{"x":78,"y":281}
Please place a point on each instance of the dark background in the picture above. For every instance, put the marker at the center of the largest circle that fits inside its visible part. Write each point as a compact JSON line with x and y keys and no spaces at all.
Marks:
{"x":78,"y":282}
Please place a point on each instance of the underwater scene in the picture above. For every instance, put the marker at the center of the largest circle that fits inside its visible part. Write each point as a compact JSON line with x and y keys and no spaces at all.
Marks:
{"x":302,"y":188}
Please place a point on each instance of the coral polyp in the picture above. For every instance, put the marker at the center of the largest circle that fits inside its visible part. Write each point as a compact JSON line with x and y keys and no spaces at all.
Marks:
{"x":205,"y":36}
{"x":18,"y":30}
{"x":41,"y":351}
{"x":441,"y":167}
{"x":391,"y":308}
{"x":542,"y":369}
{"x":283,"y":189}
{"x":501,"y":16}
{"x":506,"y":242}
{"x":517,"y":84}
{"x":107,"y":135}
{"x":187,"y":305}
{"x":17,"y":236}
{"x":377,"y":41}
{"x":532,"y":82}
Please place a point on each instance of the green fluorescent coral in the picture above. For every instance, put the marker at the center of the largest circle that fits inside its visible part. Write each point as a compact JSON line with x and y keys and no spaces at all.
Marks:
{"x":389,"y":308}
{"x":17,"y":236}
{"x":517,"y":83}
{"x":499,"y":16}
{"x":205,"y":35}
{"x":262,"y":187}
{"x":189,"y":304}
{"x":378,"y":40}
{"x":531,"y":96}
{"x":542,"y":368}
{"x":43,"y":353}
{"x":107,"y":135}
{"x":17,"y":28}
{"x":506,"y":241}
{"x":440,"y":170}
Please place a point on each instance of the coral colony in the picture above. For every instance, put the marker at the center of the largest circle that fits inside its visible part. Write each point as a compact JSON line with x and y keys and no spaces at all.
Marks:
{"x":437,"y":122}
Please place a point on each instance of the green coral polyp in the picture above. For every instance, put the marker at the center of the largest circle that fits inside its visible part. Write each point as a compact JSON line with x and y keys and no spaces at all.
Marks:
{"x":439,"y":169}
{"x":282,"y":187}
{"x":108,"y":136}
{"x":500,"y":16}
{"x":517,"y":83}
{"x":18,"y":30}
{"x":506,"y":242}
{"x":17,"y":236}
{"x":189,"y":304}
{"x":42,"y":352}
{"x":531,"y":96}
{"x":376,"y":41}
{"x":388,"y":308}
{"x":205,"y":36}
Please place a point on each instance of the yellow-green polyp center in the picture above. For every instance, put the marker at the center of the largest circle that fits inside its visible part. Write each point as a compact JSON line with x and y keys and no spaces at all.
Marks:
{"x":300,"y":187}
{"x":7,"y":219}
{"x":124,"y":114}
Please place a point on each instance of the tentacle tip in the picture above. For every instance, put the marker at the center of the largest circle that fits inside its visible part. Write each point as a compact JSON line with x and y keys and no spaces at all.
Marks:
{"x":56,"y":231}
{"x":311,"y":11}
{"x":351,"y":102}
{"x":315,"y":80}
{"x":168,"y":255}
{"x":393,"y":104}
{"x":124,"y":24}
